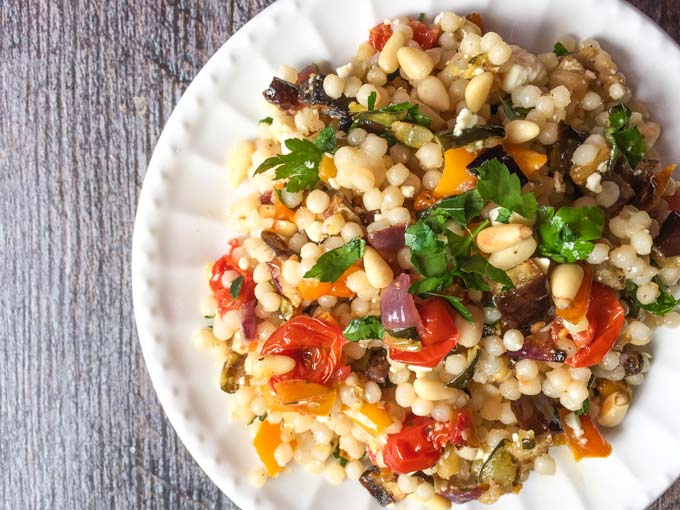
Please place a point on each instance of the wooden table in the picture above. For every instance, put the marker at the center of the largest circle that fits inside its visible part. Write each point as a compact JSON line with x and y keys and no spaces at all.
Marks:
{"x":86,"y":89}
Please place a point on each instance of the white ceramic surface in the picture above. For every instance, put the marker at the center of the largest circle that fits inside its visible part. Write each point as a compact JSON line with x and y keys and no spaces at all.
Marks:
{"x":181,"y":226}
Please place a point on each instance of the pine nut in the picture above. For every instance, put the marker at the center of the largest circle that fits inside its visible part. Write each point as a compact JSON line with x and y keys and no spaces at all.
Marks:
{"x":433,"y":390}
{"x":500,"y":237}
{"x":433,"y":93}
{"x":416,"y":63}
{"x":614,"y":409}
{"x":271,"y":365}
{"x":521,"y":131}
{"x":378,"y":272}
{"x":565,"y":281}
{"x":515,"y":255}
{"x":238,"y":162}
{"x":477,"y":91}
{"x":388,"y":56}
{"x":470,"y":333}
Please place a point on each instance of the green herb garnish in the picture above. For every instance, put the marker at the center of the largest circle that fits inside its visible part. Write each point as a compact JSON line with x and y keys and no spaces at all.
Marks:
{"x":456,"y":303}
{"x":566,"y":236}
{"x":461,"y":209}
{"x":421,"y":17}
{"x":663,"y":305}
{"x":387,"y":115}
{"x":266,"y":120}
{"x":371,"y":100}
{"x":560,"y":50}
{"x":513,"y":112}
{"x":336,"y":454}
{"x":498,"y":185}
{"x":625,"y":141}
{"x":364,"y":328}
{"x":301,"y":165}
{"x":235,"y":287}
{"x":504,"y":215}
{"x":332,"y":264}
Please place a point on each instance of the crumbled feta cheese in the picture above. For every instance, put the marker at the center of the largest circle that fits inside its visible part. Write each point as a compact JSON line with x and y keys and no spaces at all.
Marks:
{"x":465,"y":120}
{"x":593,"y":183}
{"x":525,"y":68}
{"x":574,"y":423}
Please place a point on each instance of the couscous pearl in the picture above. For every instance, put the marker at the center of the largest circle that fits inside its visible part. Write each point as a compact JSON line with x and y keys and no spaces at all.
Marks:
{"x":350,"y":231}
{"x":591,"y":100}
{"x":399,"y":216}
{"x":560,"y":379}
{"x":617,"y":225}
{"x":617,"y":91}
{"x":283,"y":454}
{"x":408,"y":484}
{"x":489,"y":40}
{"x":332,"y":243}
{"x":491,"y":315}
{"x":530,"y":386}
{"x":311,"y":251}
{"x":441,"y":412}
{"x":374,"y":146}
{"x":333,"y":85}
{"x":669,"y":275}
{"x":397,"y":174}
{"x":356,"y":137}
{"x":448,"y":41}
{"x":509,"y":389}
{"x":334,"y":473}
{"x":364,"y":92}
{"x":610,"y":360}
{"x":362,"y":179}
{"x":258,"y":478}
{"x":609,"y":194}
{"x":513,"y":340}
{"x":314,"y":231}
{"x":376,"y":76}
{"x":493,"y":345}
{"x":642,"y":242}
{"x":449,"y":22}
{"x":545,"y":465}
{"x":372,"y":199}
{"x":623,"y":256}
{"x":577,"y":391}
{"x":422,"y":407}
{"x":431,"y":179}
{"x":317,"y":201}
{"x":471,"y":44}
{"x":585,"y":154}
{"x":399,"y":377}
{"x":352,"y":86}
{"x":354,"y":469}
{"x":372,"y":392}
{"x":647,"y":294}
{"x":270,"y":302}
{"x":526,"y":96}
{"x":404,"y":258}
{"x":430,"y":156}
{"x":425,"y":491}
{"x":526,"y":369}
{"x":405,"y":395}
{"x":392,"y":197}
{"x":500,"y":53}
{"x":561,"y":96}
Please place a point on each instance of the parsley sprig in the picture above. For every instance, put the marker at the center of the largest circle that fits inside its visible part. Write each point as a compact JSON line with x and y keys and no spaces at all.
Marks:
{"x":301,"y":165}
{"x":625,"y":141}
{"x":332,"y":264}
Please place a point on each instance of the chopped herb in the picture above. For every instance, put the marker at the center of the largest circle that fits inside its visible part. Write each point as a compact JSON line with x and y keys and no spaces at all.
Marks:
{"x":338,"y":455}
{"x":364,"y":328}
{"x":451,"y":140}
{"x":263,"y":417}
{"x":663,"y":305}
{"x":504,"y":215}
{"x":565,"y":236}
{"x":332,"y":264}
{"x":387,"y":115}
{"x":431,"y":285}
{"x":475,"y":267}
{"x":371,"y":100}
{"x":456,"y":303}
{"x":266,"y":120}
{"x":625,"y":141}
{"x":560,"y":50}
{"x":585,"y":408}
{"x":209,"y":316}
{"x":498,"y":185}
{"x":513,"y":112}
{"x":421,"y":17}
{"x":461,"y":209}
{"x":235,"y":287}
{"x":301,"y":165}
{"x":429,"y":255}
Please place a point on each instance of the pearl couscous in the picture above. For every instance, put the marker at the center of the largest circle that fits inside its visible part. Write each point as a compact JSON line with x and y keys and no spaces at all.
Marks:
{"x":454,"y":259}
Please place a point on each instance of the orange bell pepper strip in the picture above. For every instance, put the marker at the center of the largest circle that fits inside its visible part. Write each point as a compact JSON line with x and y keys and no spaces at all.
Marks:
{"x":327,"y":168}
{"x":267,"y":439}
{"x":661,"y":180}
{"x":281,"y":212}
{"x":456,"y":179}
{"x":373,"y":418}
{"x":528,"y":161}
{"x":300,"y":397}
{"x":591,"y":444}
{"x":311,"y":288}
{"x":575,"y":312}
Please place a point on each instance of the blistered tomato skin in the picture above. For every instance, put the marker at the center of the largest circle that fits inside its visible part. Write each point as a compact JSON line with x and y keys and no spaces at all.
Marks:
{"x":225,"y":301}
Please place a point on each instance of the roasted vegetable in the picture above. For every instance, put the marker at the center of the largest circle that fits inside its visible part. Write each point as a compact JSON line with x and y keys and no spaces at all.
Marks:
{"x":382,"y":485}
{"x":451,"y":139}
{"x":283,"y":94}
{"x":313,"y":94}
{"x":668,"y":240}
{"x":388,"y":239}
{"x":498,"y":152}
{"x":501,"y":468}
{"x":233,"y":372}
{"x":267,"y":439}
{"x":340,"y":205}
{"x":377,"y":367}
{"x":632,"y":362}
{"x":539,"y":347}
{"x":276,"y":243}
{"x":528,"y":302}
{"x":412,"y":135}
{"x":463,"y":379}
{"x":537,"y":413}
{"x":459,"y":493}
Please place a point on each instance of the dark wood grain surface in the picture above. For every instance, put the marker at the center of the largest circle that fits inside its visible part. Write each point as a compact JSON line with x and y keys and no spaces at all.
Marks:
{"x":86,"y":87}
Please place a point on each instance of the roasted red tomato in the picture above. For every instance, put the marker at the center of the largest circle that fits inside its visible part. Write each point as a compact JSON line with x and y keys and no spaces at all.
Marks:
{"x":438,"y":335}
{"x":421,"y":441}
{"x":379,"y":36}
{"x":424,"y":34}
{"x":605,"y":322}
{"x":316,"y":347}
{"x":223,"y":296}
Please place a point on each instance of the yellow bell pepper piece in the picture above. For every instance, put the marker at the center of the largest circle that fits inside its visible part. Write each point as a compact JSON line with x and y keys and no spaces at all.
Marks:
{"x":456,"y":179}
{"x":527,"y":160}
{"x":300,"y":397}
{"x":371,"y":417}
{"x":267,"y":439}
{"x":327,"y":168}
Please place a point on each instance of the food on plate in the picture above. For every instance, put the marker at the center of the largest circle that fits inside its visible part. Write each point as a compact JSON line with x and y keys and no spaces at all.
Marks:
{"x":453,"y":259}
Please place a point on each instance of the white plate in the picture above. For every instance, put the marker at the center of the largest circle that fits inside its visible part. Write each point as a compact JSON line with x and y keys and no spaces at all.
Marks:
{"x":181,"y":226}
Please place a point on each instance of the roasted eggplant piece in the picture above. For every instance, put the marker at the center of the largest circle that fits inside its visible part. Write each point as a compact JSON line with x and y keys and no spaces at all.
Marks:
{"x":276,"y":243}
{"x":451,"y":140}
{"x":283,"y":94}
{"x":537,"y":413}
{"x":632,"y":362}
{"x":233,"y":372}
{"x":459,"y":493}
{"x":382,"y":485}
{"x":641,"y":181}
{"x":463,"y":379}
{"x":668,"y":240}
{"x":388,"y":239}
{"x":528,"y":302}
{"x":539,"y":347}
{"x":341,"y":205}
{"x":377,"y":366}
{"x":313,"y":94}
{"x":499,"y":153}
{"x":568,"y":140}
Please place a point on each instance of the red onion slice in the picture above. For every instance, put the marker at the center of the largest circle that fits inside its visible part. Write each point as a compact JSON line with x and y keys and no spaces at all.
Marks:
{"x":388,"y":239}
{"x":249,"y":320}
{"x":397,"y":308}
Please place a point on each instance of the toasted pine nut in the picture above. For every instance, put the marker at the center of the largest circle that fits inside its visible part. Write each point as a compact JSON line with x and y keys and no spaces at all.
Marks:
{"x":520,"y":131}
{"x":477,"y":91}
{"x":433,"y":93}
{"x":565,"y":281}
{"x":614,"y":409}
{"x":433,"y":390}
{"x":499,"y":237}
{"x":470,"y":333}
{"x":274,"y":364}
{"x":378,"y":272}
{"x":515,"y":255}
{"x":238,"y":162}
{"x":388,"y":56}
{"x":416,"y":63}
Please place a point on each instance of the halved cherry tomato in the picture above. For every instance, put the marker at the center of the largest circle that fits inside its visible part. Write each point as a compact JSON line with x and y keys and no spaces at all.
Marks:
{"x":424,"y":34}
{"x":379,"y":36}
{"x":606,"y":317}
{"x":225,"y":301}
{"x":315,"y":346}
{"x":438,"y":335}
{"x":421,"y":441}
{"x":591,"y":444}
{"x":311,"y":288}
